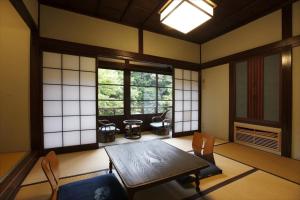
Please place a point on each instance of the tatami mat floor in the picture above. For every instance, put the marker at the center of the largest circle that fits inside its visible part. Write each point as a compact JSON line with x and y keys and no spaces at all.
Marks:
{"x":238,"y":181}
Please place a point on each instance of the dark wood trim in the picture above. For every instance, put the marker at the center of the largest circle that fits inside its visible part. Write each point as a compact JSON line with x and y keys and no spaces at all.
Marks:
{"x":36,"y":105}
{"x":126,"y":9}
{"x":287,"y":17}
{"x":47,"y":44}
{"x":181,"y":134}
{"x":141,"y":41}
{"x":24,"y":13}
{"x":231,"y":101}
{"x":199,"y":100}
{"x":127,"y":106}
{"x":173,"y":102}
{"x":155,"y":10}
{"x":269,"y":48}
{"x":10,"y":185}
{"x":71,"y":149}
{"x":286,"y":102}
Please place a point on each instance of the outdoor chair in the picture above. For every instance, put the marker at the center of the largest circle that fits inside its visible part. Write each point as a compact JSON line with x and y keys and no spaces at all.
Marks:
{"x":162,"y":124}
{"x":107,"y":131}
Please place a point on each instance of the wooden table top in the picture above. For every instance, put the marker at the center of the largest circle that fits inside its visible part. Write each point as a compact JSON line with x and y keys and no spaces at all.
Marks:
{"x":145,"y":163}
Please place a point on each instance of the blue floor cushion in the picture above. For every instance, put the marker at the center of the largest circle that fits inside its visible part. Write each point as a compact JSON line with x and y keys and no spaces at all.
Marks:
{"x":105,"y":187}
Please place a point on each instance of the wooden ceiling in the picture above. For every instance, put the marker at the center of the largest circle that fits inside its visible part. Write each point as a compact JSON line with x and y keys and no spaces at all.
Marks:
{"x":143,"y":14}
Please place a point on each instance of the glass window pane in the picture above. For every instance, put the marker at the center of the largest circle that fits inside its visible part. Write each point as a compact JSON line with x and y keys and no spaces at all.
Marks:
{"x":142,"y":79}
{"x":143,"y":93}
{"x":164,"y":93}
{"x":241,"y":71}
{"x":110,"y":92}
{"x":109,"y":76}
{"x":111,"y":111}
{"x":165,"y":103}
{"x":271,"y":87}
{"x":164,"y":80}
{"x":143,"y":107}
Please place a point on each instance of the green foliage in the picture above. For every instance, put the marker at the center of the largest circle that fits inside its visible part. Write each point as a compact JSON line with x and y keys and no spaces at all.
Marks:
{"x":143,"y":92}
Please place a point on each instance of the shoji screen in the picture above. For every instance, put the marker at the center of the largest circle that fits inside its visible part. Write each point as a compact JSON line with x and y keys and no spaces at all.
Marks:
{"x":186,"y":100}
{"x":69,"y":100}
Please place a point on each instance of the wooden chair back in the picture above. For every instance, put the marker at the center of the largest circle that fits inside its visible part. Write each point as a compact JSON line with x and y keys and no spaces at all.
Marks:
{"x":203,"y":144}
{"x":50,"y":166}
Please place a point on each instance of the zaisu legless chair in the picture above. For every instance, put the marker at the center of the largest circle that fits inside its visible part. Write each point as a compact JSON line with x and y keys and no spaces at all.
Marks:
{"x":104,"y":187}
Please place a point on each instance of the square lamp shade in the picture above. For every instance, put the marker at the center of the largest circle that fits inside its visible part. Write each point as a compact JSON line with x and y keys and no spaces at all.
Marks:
{"x":186,"y":15}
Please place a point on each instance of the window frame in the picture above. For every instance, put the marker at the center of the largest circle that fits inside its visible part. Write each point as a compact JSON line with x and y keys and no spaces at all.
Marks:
{"x":127,"y":69}
{"x":98,"y":100}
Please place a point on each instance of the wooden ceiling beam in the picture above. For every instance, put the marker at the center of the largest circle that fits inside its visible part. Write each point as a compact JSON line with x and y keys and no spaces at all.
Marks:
{"x":156,"y":9}
{"x":125,"y":10}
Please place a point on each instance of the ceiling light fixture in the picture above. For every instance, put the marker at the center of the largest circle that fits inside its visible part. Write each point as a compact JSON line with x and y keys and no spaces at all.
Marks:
{"x":186,"y":15}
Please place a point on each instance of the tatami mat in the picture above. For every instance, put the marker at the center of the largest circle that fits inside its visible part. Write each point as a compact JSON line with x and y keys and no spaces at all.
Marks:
{"x":278,"y":165}
{"x":185,"y":143}
{"x":94,"y":160}
{"x":170,"y":190}
{"x":8,"y":161}
{"x":258,"y":185}
{"x":72,"y":164}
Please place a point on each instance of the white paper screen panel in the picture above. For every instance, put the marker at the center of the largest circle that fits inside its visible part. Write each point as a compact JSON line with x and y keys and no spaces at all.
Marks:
{"x":186,"y":100}
{"x":69,"y":100}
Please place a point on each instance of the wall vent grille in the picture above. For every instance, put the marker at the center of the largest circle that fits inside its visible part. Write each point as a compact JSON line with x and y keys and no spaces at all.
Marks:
{"x":261,"y":137}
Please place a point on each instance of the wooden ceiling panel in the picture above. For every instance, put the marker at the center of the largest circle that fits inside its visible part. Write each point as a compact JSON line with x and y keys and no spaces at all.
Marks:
{"x":228,"y":15}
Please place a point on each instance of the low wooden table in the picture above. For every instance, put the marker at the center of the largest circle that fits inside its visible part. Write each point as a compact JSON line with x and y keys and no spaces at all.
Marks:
{"x":141,"y":165}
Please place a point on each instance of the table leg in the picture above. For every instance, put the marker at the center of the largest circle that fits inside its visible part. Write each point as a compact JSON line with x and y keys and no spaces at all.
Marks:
{"x":110,"y":166}
{"x":197,"y":182}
